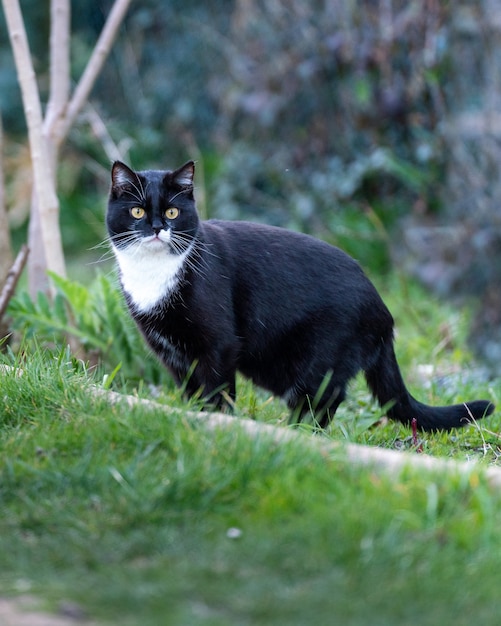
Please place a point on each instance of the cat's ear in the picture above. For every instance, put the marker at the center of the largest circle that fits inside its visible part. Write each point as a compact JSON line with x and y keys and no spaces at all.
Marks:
{"x":183,"y":176}
{"x":123,"y":178}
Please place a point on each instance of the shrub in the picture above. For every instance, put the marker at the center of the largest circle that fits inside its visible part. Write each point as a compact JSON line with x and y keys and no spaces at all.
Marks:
{"x":94,"y":318}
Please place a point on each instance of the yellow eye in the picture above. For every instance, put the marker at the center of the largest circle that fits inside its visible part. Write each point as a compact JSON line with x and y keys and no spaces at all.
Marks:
{"x":171,"y":213}
{"x":137,"y":212}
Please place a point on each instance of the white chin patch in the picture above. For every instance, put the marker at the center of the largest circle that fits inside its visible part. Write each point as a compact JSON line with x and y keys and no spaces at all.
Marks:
{"x":150,"y":272}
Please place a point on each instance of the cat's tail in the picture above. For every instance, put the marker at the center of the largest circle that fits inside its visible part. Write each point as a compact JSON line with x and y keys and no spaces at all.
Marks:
{"x":386,"y":383}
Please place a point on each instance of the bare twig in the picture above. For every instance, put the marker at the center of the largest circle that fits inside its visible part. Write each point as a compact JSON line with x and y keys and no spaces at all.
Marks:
{"x":12,"y":279}
{"x":101,"y":133}
{"x":93,"y":67}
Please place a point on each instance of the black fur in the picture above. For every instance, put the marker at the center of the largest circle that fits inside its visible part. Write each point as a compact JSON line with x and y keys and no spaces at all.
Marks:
{"x":296,"y":315}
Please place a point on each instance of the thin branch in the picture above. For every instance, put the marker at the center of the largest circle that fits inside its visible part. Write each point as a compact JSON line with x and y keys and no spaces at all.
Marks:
{"x":94,"y":65}
{"x":12,"y":279}
{"x":98,"y":128}
{"x":59,"y":63}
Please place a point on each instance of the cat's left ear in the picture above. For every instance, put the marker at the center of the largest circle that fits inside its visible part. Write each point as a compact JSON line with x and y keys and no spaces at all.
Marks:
{"x":183,"y":176}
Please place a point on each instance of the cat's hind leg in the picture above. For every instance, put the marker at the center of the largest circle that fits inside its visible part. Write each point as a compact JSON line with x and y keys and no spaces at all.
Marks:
{"x":319,"y":398}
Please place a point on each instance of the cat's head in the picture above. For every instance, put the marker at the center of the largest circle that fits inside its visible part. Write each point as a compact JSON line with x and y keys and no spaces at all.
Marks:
{"x":152,"y":211}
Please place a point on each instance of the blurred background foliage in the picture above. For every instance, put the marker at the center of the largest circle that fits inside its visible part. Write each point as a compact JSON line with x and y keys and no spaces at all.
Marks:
{"x":374,"y":124}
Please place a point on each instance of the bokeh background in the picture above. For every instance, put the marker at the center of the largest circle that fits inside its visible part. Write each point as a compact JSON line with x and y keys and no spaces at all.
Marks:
{"x":374,"y":124}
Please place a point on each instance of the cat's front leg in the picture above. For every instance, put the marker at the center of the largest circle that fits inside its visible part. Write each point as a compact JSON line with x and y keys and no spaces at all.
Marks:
{"x":211,"y":382}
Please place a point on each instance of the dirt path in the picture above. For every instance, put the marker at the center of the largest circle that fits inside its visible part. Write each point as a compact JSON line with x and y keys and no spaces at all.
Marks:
{"x":24,"y":611}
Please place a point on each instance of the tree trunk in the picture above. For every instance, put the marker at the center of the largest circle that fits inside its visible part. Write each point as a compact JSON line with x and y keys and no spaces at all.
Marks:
{"x":48,"y":205}
{"x":37,"y":266}
{"x":5,"y":243}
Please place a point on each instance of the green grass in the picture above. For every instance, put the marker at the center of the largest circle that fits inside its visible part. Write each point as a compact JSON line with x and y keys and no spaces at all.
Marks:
{"x":131,"y":513}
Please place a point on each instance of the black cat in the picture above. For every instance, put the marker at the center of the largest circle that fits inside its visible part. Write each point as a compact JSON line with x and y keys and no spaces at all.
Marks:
{"x":296,"y":315}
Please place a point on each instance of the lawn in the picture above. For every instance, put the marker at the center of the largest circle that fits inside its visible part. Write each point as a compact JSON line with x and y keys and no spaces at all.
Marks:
{"x":141,"y":515}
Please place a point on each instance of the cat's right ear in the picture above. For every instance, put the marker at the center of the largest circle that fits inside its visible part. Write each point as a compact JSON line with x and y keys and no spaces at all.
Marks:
{"x":122,"y":178}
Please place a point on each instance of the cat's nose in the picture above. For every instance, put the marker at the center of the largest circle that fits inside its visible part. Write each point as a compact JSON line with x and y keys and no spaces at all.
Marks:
{"x":157,"y":226}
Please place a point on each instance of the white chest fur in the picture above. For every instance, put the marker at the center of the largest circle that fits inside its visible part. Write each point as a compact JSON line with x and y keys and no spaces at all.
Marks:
{"x":149,"y":274}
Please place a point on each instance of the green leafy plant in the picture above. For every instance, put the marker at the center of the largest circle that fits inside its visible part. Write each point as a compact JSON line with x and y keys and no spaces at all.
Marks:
{"x":93,"y":319}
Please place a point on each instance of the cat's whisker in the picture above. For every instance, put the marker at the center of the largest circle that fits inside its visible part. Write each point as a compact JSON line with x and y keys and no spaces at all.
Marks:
{"x":136,"y":191}
{"x":126,"y":240}
{"x":176,"y":195}
{"x":105,"y":243}
{"x":107,"y":256}
{"x":142,"y":191}
{"x":189,"y":235}
{"x":196,"y":265}
{"x":135,"y":195}
{"x":178,"y":247}
{"x":207,"y":249}
{"x":197,"y":261}
{"x":194,"y":261}
{"x":135,"y":249}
